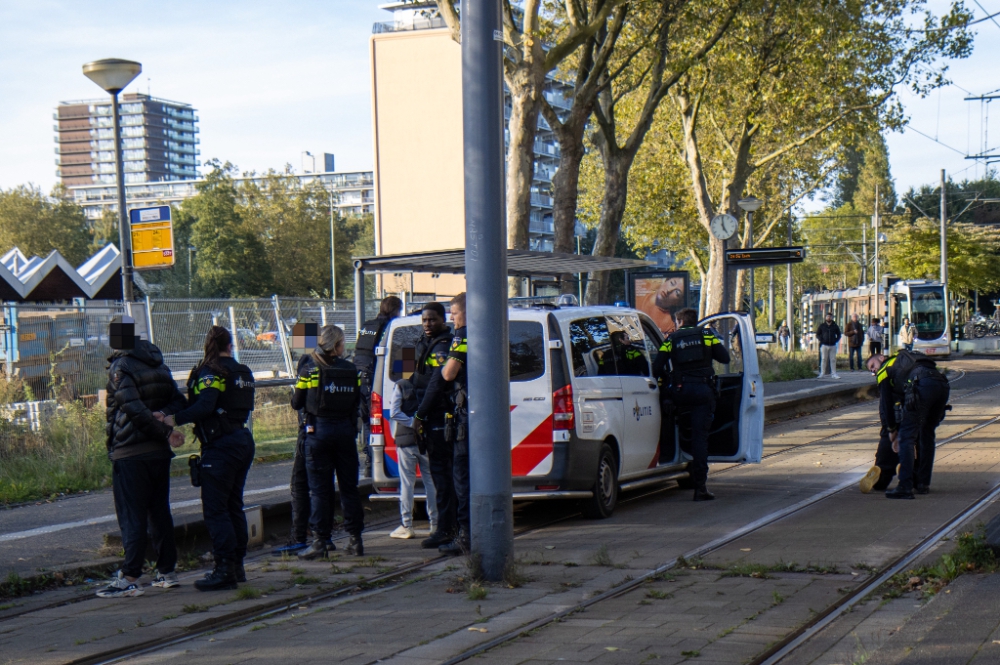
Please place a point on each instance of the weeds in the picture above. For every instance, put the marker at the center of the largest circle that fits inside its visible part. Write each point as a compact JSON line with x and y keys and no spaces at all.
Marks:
{"x":780,"y":366}
{"x":658,"y":595}
{"x":248,"y":593}
{"x":194,"y":609}
{"x":971,"y":555}
{"x":477,"y":592}
{"x":778,"y":598}
{"x":302,"y":580}
{"x":514,"y":577}
{"x":602,"y":558}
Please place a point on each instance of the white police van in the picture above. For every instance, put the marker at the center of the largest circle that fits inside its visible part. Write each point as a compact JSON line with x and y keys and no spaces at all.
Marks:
{"x":586,"y":424}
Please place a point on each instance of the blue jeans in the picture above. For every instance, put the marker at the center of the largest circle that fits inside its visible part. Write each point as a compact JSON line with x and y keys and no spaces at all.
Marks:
{"x":331,"y":449}
{"x":225,"y":464}
{"x":851,"y":352}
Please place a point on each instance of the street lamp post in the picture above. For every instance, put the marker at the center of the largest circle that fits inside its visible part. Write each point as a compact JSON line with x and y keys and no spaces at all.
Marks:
{"x":333,"y":255}
{"x":113,"y":74}
{"x":750,"y":204}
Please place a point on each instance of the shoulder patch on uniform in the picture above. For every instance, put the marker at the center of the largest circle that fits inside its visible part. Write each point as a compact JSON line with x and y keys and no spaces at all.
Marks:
{"x":442,"y":357}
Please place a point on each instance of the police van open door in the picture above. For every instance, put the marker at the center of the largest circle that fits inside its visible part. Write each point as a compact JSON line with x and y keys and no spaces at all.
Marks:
{"x":737,"y":433}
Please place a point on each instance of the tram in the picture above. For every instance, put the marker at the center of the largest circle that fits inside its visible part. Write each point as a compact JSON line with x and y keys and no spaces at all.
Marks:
{"x":924,"y":301}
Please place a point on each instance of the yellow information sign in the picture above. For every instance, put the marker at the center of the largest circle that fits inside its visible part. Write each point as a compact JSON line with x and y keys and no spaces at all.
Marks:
{"x":152,"y":238}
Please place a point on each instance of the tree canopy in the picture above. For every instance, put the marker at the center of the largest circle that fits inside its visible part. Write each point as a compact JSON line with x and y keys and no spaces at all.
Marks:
{"x":38,"y":224}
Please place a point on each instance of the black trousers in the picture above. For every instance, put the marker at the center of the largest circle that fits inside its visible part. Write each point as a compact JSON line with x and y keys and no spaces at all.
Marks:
{"x":917,"y":432}
{"x":299,"y":487}
{"x":698,"y":399}
{"x":225,"y":464}
{"x":441,"y":455}
{"x":460,"y":475}
{"x":142,"y":500}
{"x":886,"y":458}
{"x":331,"y":449}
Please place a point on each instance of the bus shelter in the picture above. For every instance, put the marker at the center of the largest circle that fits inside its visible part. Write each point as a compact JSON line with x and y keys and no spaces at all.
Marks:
{"x":520,"y":263}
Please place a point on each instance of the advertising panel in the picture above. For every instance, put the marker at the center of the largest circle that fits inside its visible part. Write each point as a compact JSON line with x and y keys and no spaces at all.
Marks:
{"x":660,"y":294}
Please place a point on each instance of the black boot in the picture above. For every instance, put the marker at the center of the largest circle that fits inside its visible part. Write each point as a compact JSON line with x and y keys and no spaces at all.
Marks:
{"x":884,"y":480}
{"x":238,"y":571}
{"x":221,"y":579}
{"x":460,"y":545}
{"x":317,"y":550}
{"x":899,"y":493}
{"x":437,"y":539}
{"x":355,"y":546}
{"x":701,"y":493}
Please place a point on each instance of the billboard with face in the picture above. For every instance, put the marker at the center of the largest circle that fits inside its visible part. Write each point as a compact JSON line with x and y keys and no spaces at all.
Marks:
{"x":660,"y":294}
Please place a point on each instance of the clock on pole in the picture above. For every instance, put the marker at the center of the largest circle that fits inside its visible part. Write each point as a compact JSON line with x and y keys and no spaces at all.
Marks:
{"x":723,"y":226}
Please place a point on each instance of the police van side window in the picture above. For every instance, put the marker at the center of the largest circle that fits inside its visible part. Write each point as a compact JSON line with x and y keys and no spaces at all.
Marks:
{"x":627,"y":345}
{"x":527,"y":351}
{"x":402,"y":352}
{"x":590,"y":342}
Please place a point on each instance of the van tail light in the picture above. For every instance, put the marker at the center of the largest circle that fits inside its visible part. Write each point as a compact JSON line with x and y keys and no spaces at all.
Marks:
{"x":562,"y":409}
{"x":375,"y":424}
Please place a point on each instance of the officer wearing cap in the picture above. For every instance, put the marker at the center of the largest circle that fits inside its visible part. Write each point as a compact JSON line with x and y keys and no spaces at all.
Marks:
{"x":684,"y":370}
{"x":221,"y":397}
{"x":913,"y":399}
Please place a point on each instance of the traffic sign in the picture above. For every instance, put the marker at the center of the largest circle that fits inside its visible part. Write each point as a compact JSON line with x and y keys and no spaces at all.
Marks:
{"x":152,"y":238}
{"x":764,"y":256}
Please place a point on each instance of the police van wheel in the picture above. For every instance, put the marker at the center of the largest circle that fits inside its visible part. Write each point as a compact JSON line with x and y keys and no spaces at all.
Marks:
{"x":605,"y":498}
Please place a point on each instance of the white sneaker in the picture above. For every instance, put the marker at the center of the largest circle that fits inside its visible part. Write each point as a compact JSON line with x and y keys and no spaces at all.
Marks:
{"x":119,"y":587}
{"x":403,"y":532}
{"x":166,"y":580}
{"x":834,"y":376}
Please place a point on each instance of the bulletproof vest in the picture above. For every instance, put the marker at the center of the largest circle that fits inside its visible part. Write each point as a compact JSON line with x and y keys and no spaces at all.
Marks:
{"x":907,"y":363}
{"x":237,"y":400}
{"x":689,"y":355}
{"x":336,"y":392}
{"x":422,"y":374}
{"x":369,"y":337}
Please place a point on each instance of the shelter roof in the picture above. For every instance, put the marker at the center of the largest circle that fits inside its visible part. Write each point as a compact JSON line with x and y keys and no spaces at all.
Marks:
{"x":520,"y":263}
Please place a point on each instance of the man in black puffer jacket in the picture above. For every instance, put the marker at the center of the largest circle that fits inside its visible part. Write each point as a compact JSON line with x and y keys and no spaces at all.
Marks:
{"x":139,"y":448}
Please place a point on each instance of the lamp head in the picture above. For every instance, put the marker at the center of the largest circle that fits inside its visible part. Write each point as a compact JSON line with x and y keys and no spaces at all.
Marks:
{"x":750,"y":203}
{"x":112,"y":74}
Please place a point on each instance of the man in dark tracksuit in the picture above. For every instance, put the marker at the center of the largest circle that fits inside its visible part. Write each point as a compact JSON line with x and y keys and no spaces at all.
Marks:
{"x":139,"y":384}
{"x":429,"y":421}
{"x":689,"y":384}
{"x":913,"y":399}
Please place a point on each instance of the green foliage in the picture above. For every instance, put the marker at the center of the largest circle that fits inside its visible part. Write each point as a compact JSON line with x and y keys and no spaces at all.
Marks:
{"x":781,"y":366}
{"x":38,"y":224}
{"x":973,"y":254}
{"x":971,"y":555}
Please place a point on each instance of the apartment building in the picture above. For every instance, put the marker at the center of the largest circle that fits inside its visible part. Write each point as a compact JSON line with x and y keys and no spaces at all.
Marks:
{"x":159,"y":140}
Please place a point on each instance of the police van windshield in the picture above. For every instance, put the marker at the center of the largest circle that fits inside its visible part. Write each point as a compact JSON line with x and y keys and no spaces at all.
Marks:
{"x":527,"y":351}
{"x":927,"y":311}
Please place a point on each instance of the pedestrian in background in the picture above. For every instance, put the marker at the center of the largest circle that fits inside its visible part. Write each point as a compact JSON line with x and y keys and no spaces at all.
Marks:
{"x":855,"y":339}
{"x":329,"y":389}
{"x":221,"y":394}
{"x":369,"y":337}
{"x":875,"y":331}
{"x":785,"y":337}
{"x":402,"y":409}
{"x":138,"y":444}
{"x":907,"y":332}
{"x":828,"y":336}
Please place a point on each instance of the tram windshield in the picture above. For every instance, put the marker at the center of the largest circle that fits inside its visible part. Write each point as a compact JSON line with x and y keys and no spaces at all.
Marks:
{"x":927,"y":311}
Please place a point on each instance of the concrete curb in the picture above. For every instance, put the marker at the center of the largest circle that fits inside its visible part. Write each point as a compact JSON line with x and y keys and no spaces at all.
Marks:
{"x":783,"y":407}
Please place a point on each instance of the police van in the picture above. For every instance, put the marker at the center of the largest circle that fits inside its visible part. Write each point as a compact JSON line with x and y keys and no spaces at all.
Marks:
{"x":585,"y":413}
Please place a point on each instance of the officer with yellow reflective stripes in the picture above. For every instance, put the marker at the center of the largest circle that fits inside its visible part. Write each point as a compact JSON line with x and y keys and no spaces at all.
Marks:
{"x":329,"y":389}
{"x":684,"y":370}
{"x":455,"y":370}
{"x":432,"y":414}
{"x":913,"y":399}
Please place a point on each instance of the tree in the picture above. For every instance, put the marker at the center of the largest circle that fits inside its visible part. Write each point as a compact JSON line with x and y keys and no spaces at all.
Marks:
{"x":914,"y":252}
{"x":874,"y":174}
{"x":37,"y":224}
{"x":231,"y":259}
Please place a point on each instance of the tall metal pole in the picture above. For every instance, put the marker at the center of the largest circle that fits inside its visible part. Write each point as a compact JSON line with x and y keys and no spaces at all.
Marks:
{"x":753,"y":296}
{"x":124,"y":236}
{"x":725,"y":278}
{"x":770,"y":300}
{"x":486,"y":280}
{"x":864,"y":253}
{"x":875,"y":223}
{"x":790,"y":295}
{"x":333,"y":254}
{"x":944,"y":235}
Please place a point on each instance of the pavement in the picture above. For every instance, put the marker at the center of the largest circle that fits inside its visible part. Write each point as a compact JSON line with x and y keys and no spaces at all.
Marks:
{"x":726,"y":608}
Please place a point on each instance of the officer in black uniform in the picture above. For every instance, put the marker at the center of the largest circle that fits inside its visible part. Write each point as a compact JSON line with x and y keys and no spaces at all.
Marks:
{"x":221,"y":397}
{"x":684,"y":370}
{"x":913,"y":399}
{"x":329,"y":389}
{"x":369,"y":336}
{"x":299,"y":484}
{"x":433,"y":414}
{"x":455,"y":370}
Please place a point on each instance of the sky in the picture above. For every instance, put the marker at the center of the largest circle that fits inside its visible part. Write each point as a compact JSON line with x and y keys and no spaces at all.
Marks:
{"x":271,"y":79}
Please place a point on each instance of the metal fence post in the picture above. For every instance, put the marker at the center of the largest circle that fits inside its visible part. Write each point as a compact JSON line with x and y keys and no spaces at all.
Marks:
{"x":359,"y":296}
{"x":149,"y":321}
{"x":236,"y":337}
{"x":282,"y":339}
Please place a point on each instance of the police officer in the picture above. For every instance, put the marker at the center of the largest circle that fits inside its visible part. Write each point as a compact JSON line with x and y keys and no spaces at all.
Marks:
{"x":433,"y":414}
{"x":913,"y":399}
{"x":221,"y":397}
{"x":329,"y":389}
{"x":455,"y":370}
{"x":299,"y":484}
{"x":684,"y":370}
{"x":369,"y":336}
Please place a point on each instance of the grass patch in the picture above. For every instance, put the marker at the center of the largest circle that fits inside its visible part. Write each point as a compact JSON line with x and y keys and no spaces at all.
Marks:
{"x":477,"y":592}
{"x":248,"y":593}
{"x":194,"y":609}
{"x":971,"y":555}
{"x":658,"y":595}
{"x":691,"y":654}
{"x":780,"y":366}
{"x":303,"y":580}
{"x":602,"y":558}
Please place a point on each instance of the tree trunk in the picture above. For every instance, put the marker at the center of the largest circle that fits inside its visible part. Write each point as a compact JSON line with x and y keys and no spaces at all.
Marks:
{"x":613,"y":203}
{"x":525,"y":90}
{"x":565,"y":185}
